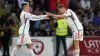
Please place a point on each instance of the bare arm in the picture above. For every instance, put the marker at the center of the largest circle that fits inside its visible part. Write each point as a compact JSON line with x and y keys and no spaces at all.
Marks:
{"x":55,"y":16}
{"x":58,"y":16}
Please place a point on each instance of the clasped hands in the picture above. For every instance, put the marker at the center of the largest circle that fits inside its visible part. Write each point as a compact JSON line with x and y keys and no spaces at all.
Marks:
{"x":48,"y":15}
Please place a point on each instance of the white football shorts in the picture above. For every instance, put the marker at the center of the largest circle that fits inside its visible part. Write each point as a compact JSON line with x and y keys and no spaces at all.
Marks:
{"x":24,"y":39}
{"x":78,"y":35}
{"x":76,"y":27}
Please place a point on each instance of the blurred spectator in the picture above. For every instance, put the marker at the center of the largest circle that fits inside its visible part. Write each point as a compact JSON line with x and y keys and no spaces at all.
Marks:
{"x":97,"y":7}
{"x":15,"y":10}
{"x":37,"y":3}
{"x":6,"y":39}
{"x":88,"y":17}
{"x":2,"y":20}
{"x":52,"y":28}
{"x":90,"y":30}
{"x":8,"y":7}
{"x":11,"y":23}
{"x":32,"y":28}
{"x":41,"y":30}
{"x":78,"y":5}
{"x":1,"y":34}
{"x":45,"y":5}
{"x":15,"y":18}
{"x":37,"y":12}
{"x":10,"y":20}
{"x":20,"y":2}
{"x":9,"y":1}
{"x":2,"y":10}
{"x":98,"y":31}
{"x":80,"y":14}
{"x":72,"y":4}
{"x":46,"y":25}
{"x":79,"y":11}
{"x":31,"y":4}
{"x":6,"y":34}
{"x":49,"y":26}
{"x":85,"y":4}
{"x":14,"y":7}
{"x":96,"y":19}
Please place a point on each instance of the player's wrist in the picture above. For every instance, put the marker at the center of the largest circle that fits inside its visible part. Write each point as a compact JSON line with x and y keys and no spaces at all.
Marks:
{"x":53,"y":15}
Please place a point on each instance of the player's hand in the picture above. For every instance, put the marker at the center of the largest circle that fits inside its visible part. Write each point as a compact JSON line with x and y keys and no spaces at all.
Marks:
{"x":48,"y":14}
{"x":46,"y":18}
{"x":55,"y":17}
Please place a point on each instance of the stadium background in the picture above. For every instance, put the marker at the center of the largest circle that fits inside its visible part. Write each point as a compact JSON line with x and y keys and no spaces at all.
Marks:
{"x":88,"y":12}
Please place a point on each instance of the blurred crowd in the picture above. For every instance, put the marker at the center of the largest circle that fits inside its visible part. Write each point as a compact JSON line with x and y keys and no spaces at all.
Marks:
{"x":87,"y":12}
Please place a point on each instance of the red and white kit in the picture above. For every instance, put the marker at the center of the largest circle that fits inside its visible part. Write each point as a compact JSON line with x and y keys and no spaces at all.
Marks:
{"x":74,"y":24}
{"x":25,"y":18}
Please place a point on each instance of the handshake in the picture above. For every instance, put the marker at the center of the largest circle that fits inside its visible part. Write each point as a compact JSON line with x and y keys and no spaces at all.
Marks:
{"x":54,"y":16}
{"x":49,"y":14}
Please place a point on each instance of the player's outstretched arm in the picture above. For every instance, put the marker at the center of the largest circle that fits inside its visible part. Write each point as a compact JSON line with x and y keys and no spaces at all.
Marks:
{"x":55,"y":16}
{"x":58,"y":16}
{"x":39,"y":17}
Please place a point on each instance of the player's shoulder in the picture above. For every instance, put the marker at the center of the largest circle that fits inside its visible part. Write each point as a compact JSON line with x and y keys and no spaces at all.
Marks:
{"x":67,"y":13}
{"x":23,"y":12}
{"x":69,"y":10}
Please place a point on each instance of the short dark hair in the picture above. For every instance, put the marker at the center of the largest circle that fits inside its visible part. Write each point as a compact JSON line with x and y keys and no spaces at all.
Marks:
{"x":23,"y":4}
{"x":60,"y":6}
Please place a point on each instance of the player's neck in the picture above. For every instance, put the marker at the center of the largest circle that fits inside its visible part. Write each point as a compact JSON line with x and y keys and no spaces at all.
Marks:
{"x":25,"y":10}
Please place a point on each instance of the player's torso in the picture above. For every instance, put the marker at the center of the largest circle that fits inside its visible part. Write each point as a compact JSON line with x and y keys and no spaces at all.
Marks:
{"x":73,"y":21}
{"x":24,"y":28}
{"x":76,"y":25}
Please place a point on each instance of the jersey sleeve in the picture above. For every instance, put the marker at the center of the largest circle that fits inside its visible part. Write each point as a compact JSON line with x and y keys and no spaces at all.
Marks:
{"x":74,"y":15}
{"x":34,"y":17}
{"x":70,"y":13}
{"x":67,"y":13}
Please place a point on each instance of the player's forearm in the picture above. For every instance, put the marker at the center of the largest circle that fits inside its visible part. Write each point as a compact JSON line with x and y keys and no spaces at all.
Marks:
{"x":40,"y":17}
{"x":59,"y":16}
{"x":36,"y":19}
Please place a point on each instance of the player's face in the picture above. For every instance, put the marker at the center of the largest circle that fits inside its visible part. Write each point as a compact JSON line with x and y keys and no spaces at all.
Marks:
{"x":27,"y":7}
{"x":62,"y":10}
